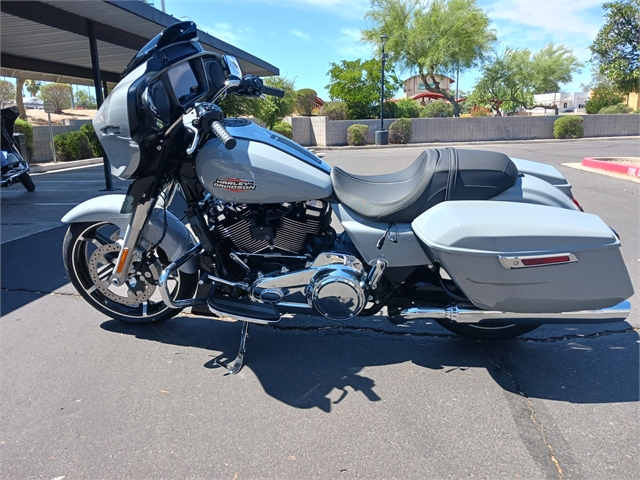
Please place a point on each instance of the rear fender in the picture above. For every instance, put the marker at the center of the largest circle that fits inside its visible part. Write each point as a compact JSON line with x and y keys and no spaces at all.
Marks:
{"x":530,"y":189}
{"x":176,"y":242}
{"x":544,"y":172}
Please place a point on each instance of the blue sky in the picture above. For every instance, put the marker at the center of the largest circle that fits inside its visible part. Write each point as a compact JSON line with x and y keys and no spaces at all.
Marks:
{"x":302,"y":37}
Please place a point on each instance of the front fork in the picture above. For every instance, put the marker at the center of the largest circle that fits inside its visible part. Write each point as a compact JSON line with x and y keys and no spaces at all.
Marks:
{"x":129,"y":251}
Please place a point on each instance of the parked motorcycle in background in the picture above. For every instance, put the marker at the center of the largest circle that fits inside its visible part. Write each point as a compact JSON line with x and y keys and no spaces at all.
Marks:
{"x":14,"y":167}
{"x":488,"y":246}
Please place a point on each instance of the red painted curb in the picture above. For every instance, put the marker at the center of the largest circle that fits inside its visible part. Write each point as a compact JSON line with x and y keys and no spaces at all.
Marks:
{"x":611,"y":167}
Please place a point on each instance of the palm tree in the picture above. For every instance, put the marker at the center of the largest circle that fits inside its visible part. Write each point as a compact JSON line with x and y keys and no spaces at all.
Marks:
{"x":33,"y":87}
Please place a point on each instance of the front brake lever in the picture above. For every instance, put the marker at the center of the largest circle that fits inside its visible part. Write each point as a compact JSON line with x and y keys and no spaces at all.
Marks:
{"x":188,"y":120}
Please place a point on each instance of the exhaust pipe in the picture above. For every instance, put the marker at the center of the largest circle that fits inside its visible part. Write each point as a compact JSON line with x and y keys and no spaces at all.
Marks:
{"x":456,"y":314}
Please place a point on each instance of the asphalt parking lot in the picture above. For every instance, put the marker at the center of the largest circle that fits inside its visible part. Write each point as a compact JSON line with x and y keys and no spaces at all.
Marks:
{"x":85,"y":397}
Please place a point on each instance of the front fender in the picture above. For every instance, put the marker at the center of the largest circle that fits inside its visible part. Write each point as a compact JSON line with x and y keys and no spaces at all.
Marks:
{"x":176,"y":242}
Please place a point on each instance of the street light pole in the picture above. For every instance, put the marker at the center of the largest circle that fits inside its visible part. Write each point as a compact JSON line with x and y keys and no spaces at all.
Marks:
{"x":382,"y":135}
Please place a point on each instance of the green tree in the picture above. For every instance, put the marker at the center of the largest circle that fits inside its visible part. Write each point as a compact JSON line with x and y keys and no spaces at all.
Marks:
{"x":357,"y":84}
{"x":553,"y":66}
{"x":273,"y":109}
{"x":432,"y":37}
{"x":33,"y":87}
{"x":407,"y":108}
{"x":616,"y":48}
{"x":7,"y":93}
{"x":59,"y":94}
{"x":603,"y":95}
{"x":235,"y":106}
{"x":335,"y":110}
{"x":305,"y":101}
{"x":436,"y":110}
{"x":85,"y":100}
{"x":513,"y":77}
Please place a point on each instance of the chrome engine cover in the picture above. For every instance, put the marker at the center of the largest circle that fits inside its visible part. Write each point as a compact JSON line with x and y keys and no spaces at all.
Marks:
{"x":334,"y":285}
{"x":337,"y":292}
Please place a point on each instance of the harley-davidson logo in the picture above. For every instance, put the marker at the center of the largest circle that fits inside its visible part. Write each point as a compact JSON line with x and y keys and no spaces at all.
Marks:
{"x":235,"y":184}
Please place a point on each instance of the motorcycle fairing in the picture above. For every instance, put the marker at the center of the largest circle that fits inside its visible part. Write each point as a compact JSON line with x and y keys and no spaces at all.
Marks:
{"x":177,"y":238}
{"x":473,"y":240}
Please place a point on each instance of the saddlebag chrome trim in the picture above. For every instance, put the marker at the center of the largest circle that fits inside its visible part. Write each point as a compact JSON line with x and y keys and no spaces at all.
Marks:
{"x":519,"y":262}
{"x":454,"y":313}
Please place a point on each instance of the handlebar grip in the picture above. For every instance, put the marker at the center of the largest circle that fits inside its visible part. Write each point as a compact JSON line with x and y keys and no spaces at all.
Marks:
{"x":227,"y":140}
{"x":274,"y":92}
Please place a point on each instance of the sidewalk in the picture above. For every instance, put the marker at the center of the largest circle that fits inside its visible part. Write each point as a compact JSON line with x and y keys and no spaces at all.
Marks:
{"x":491,"y":142}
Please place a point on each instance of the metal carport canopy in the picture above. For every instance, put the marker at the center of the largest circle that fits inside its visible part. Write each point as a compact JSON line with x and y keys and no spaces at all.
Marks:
{"x":89,"y":42}
{"x":49,"y":39}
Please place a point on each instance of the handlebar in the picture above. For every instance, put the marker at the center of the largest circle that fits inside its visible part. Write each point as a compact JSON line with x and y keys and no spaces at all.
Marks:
{"x":274,"y":92}
{"x":227,"y":140}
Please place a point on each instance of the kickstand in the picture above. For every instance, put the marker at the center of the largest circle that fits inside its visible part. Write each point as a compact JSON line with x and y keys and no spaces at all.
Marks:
{"x":237,"y":364}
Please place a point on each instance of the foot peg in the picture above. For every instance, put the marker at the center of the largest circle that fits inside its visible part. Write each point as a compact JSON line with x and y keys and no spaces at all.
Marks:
{"x":244,"y":310}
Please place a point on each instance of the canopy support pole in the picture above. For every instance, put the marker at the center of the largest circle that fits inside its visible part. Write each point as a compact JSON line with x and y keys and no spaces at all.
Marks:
{"x":97,"y":80}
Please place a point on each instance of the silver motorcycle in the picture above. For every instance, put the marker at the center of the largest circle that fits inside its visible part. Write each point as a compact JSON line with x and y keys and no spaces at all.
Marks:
{"x":488,"y":246}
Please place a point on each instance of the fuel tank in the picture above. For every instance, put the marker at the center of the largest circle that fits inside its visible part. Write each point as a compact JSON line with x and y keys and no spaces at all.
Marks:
{"x":264,"y":167}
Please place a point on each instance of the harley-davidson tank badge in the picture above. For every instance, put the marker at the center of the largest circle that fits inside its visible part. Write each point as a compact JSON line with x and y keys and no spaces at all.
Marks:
{"x":235,"y":184}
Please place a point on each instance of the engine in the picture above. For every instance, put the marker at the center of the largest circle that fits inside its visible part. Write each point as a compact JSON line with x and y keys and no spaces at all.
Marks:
{"x":282,"y":249}
{"x":282,"y":230}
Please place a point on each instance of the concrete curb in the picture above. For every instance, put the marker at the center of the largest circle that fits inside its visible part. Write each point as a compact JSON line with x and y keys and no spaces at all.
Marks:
{"x":487,"y":142}
{"x":48,"y":167}
{"x":611,"y":166}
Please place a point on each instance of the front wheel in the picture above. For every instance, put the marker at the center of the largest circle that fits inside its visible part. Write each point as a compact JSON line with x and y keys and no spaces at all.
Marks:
{"x":89,"y":254}
{"x":487,"y":332}
{"x":27,"y":183}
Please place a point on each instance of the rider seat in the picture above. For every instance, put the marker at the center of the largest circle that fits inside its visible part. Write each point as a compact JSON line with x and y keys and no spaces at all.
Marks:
{"x":438,"y":175}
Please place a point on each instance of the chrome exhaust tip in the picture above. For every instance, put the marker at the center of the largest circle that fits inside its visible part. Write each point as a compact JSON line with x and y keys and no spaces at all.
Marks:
{"x":456,"y":314}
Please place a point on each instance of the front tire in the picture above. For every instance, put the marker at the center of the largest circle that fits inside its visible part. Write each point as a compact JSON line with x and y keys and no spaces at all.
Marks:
{"x":89,"y":252}
{"x":487,"y":332}
{"x":27,"y":183}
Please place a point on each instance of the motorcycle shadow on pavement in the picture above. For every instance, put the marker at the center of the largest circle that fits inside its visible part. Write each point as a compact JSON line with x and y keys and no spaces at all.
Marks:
{"x":319,"y":367}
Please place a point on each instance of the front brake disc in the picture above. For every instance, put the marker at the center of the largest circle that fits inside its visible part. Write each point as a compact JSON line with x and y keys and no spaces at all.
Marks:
{"x":138,"y":288}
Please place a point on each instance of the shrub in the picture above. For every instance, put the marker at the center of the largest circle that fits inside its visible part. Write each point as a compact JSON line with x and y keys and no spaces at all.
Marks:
{"x":22,"y":126}
{"x":407,"y":108}
{"x":305,"y":100}
{"x":400,"y":131}
{"x":436,"y":110}
{"x":94,"y":143}
{"x":603,"y":95}
{"x":389,"y":109}
{"x":568,"y":127}
{"x":619,"y":108}
{"x":283,"y":128}
{"x":334,"y":110}
{"x":477,"y":111}
{"x":357,"y":134}
{"x":59,"y":94}
{"x":72,"y":146}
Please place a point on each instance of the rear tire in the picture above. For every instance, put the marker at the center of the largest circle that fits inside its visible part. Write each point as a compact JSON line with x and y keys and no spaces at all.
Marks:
{"x":487,"y":332}
{"x":85,"y":264}
{"x":27,"y":182}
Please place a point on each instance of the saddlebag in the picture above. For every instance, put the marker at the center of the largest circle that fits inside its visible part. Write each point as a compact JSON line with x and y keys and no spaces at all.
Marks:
{"x":516,"y":257}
